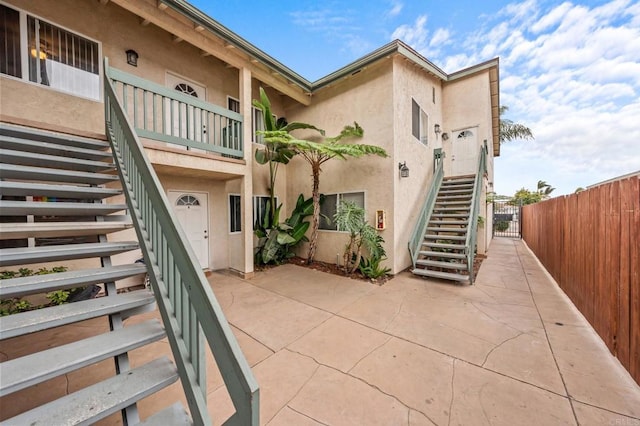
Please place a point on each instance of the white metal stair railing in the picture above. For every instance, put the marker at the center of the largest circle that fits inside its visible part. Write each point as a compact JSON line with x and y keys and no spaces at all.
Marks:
{"x":185,"y":299}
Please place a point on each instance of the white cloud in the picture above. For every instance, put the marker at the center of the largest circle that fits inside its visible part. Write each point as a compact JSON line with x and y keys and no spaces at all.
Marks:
{"x":396,"y":8}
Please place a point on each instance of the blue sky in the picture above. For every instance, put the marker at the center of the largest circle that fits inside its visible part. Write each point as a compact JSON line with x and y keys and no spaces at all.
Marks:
{"x":569,"y":70}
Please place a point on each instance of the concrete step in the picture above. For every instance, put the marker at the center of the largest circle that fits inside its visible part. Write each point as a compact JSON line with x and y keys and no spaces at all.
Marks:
{"x":12,"y":231}
{"x":46,"y":174}
{"x":56,"y":191}
{"x":55,"y":253}
{"x":35,"y":368}
{"x":23,"y":158}
{"x":26,"y":145}
{"x":51,"y":137}
{"x":23,"y":286}
{"x":38,"y":208}
{"x":100,"y":400}
{"x":55,"y":316}
{"x":441,"y":275}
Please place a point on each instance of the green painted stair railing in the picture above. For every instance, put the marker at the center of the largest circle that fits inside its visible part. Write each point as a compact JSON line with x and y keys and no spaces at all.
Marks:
{"x":425,"y":214}
{"x":188,"y":307}
{"x":470,"y":243}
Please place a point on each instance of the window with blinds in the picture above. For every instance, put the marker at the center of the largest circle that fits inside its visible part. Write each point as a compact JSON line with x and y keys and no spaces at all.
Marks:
{"x":54,"y":57}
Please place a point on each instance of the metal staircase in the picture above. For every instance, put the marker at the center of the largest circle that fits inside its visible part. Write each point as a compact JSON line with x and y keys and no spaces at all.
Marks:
{"x":443,"y":251}
{"x":443,"y":242}
{"x":53,"y":209}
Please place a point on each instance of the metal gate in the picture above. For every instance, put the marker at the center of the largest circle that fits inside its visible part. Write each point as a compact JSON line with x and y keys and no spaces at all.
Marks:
{"x":506,"y":219}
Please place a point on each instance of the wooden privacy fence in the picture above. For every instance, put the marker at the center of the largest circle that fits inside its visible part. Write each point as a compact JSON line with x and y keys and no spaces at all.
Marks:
{"x":590,"y":243}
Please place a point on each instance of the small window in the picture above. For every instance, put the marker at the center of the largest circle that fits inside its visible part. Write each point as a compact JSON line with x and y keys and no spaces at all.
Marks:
{"x":186,"y":89}
{"x":465,"y":134}
{"x":10,"y":57}
{"x":260,"y":209}
{"x":330,"y":206}
{"x":235,"y":213}
{"x":233,"y":104}
{"x":419,"y":123}
{"x":187,"y":200}
{"x":433,"y":95}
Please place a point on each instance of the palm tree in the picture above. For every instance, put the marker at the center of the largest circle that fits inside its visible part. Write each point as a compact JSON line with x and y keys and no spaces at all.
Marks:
{"x":510,"y":131}
{"x":544,"y":189}
{"x":274,"y":153}
{"x":318,"y":153}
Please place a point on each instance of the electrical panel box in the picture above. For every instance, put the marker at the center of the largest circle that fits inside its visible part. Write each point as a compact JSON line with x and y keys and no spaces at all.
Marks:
{"x":381,"y":220}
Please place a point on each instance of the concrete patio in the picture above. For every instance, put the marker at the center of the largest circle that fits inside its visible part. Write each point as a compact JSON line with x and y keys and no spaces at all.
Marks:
{"x":327,"y":350}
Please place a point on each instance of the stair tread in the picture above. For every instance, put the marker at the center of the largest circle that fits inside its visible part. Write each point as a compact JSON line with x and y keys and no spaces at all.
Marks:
{"x":39,"y":208}
{"x":35,"y":368}
{"x":42,"y":319}
{"x":60,"y":229}
{"x":56,"y":191}
{"x":441,"y":275}
{"x":13,"y":171}
{"x":443,"y":245}
{"x":10,"y":156}
{"x":441,"y":264}
{"x":460,"y":215}
{"x":430,"y":253}
{"x":445,"y":229}
{"x":22,"y":144}
{"x":22,"y":286}
{"x":174,"y":415}
{"x":98,"y":401}
{"x":448,"y":222}
{"x":41,"y":254}
{"x":52,"y":137}
{"x":445,"y":237}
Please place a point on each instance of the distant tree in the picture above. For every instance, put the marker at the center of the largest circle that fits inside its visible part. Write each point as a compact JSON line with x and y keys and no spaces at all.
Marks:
{"x":510,"y":131}
{"x":578,"y":189}
{"x":524,"y":196}
{"x":544,"y":189}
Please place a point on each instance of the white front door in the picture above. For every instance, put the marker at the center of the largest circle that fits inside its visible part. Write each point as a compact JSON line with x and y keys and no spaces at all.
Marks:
{"x":192,"y":211}
{"x":181,"y":120}
{"x":464,"y":156}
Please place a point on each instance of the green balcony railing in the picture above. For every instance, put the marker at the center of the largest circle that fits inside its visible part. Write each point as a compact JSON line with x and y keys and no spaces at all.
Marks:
{"x":415,"y":243}
{"x":188,"y":307}
{"x":166,"y":115}
{"x":472,"y":234}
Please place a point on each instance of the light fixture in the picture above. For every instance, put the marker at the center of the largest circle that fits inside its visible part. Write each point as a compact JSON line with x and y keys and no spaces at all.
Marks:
{"x":404,"y":170}
{"x":132,"y":57}
{"x":445,"y":136}
{"x":436,"y":128}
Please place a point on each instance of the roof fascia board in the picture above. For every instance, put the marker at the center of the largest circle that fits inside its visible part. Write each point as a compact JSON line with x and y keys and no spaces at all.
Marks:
{"x":233,"y":39}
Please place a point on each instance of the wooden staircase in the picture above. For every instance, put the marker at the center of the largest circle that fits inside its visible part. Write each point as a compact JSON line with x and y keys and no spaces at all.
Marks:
{"x":443,"y":251}
{"x":53,"y":209}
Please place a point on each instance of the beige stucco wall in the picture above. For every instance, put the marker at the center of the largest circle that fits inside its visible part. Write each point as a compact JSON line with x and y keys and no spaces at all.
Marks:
{"x":467,"y":104}
{"x":410,"y":193}
{"x":367,"y":99}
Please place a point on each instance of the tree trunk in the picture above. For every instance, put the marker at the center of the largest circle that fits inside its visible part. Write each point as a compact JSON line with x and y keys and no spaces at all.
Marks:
{"x":315,"y":223}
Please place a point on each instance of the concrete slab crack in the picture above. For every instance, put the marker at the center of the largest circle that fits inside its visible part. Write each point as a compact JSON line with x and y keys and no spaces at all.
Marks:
{"x":486,"y":358}
{"x":453,"y":377}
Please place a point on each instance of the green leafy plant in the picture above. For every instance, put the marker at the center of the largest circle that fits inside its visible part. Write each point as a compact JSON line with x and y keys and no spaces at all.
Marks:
{"x":501,"y":225}
{"x":350,"y":217}
{"x":16,"y":305}
{"x":277,"y":243}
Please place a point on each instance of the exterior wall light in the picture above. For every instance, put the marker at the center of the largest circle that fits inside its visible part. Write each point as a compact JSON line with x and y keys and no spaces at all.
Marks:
{"x":404,"y":170}
{"x":436,"y":128}
{"x":132,"y":57}
{"x":445,"y":136}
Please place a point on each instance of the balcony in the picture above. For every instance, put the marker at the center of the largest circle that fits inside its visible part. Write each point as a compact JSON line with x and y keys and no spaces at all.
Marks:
{"x":183,"y":121}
